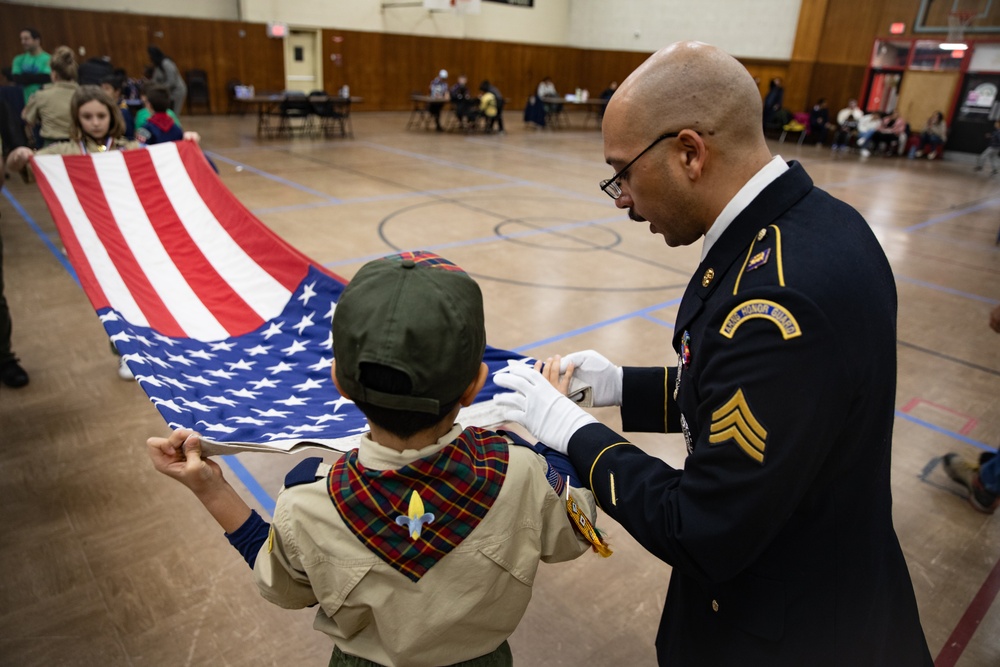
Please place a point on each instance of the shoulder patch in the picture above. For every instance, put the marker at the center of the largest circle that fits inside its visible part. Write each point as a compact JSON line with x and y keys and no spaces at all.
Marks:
{"x":761,"y":308}
{"x":306,"y":471}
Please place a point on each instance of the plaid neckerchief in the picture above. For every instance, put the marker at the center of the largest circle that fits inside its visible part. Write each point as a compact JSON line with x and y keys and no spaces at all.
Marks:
{"x":458,"y":485}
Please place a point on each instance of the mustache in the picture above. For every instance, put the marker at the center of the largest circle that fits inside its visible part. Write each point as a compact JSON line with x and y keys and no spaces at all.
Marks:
{"x":632,"y":215}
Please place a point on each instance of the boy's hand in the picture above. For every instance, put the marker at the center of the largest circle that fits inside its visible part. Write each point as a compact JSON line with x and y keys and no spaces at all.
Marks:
{"x":550,"y":370}
{"x":179,"y":456}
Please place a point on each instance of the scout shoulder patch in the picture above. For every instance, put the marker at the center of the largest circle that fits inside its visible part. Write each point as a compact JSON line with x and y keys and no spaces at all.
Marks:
{"x":761,"y":308}
{"x":734,"y":421}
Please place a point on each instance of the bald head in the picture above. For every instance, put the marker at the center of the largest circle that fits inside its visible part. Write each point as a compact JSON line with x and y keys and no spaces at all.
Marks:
{"x":690,"y":85}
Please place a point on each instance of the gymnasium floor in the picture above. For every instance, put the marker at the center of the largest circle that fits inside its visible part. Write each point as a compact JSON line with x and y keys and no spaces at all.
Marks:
{"x":108,"y":563}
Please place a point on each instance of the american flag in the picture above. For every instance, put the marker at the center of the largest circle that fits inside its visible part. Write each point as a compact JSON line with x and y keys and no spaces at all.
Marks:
{"x":225,"y":326}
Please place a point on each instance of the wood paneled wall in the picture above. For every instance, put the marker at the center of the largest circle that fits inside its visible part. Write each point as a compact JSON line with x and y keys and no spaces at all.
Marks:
{"x":832,"y":47}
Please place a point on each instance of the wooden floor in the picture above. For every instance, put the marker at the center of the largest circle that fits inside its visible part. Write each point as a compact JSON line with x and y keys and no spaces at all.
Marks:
{"x":105,"y":562}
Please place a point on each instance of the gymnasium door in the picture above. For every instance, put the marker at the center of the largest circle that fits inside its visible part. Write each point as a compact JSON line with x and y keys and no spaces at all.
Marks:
{"x":977,"y":108}
{"x":303,"y":61}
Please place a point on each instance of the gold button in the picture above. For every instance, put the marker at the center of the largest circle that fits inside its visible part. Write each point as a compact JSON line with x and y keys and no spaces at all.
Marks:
{"x":761,"y":234}
{"x":706,"y":279}
{"x":715,"y":605}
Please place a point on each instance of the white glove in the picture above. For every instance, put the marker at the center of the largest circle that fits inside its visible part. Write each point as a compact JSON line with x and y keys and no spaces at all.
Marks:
{"x":539,"y":407}
{"x":604,"y":378}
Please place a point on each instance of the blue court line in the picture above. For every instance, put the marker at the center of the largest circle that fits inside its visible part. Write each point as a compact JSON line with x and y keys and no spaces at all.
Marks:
{"x":272,"y":177}
{"x":384,"y":198}
{"x":56,"y":252}
{"x":947,"y":290}
{"x":951,"y":434}
{"x":657,"y":320}
{"x":597,"y":325}
{"x":989,"y":203}
{"x":249,"y":481}
{"x":534,"y":151}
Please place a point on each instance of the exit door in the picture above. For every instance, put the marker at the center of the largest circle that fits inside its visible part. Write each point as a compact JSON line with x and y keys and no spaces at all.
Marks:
{"x":303,"y":64}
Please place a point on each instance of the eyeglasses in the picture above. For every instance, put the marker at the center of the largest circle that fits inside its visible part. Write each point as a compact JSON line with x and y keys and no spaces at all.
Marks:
{"x":611,"y":186}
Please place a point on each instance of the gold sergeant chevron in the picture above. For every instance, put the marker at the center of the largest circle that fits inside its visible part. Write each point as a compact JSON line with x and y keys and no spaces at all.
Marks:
{"x":734,"y":421}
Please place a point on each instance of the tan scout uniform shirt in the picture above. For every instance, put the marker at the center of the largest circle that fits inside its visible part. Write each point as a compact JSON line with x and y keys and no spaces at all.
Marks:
{"x":465,"y":606}
{"x":50,"y":105}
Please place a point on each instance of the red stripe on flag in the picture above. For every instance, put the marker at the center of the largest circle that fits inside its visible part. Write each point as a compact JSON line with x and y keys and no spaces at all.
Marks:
{"x":84,"y":272}
{"x":228,"y":307}
{"x":88,"y":189}
{"x":267,"y":249}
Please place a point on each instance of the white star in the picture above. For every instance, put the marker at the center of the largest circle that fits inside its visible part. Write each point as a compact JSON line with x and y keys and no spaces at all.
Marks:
{"x":164,"y":339}
{"x":222,"y":428}
{"x":222,"y":345}
{"x":110,"y":316}
{"x":307,"y":293}
{"x":272,"y":412}
{"x":136,"y":357}
{"x":240,"y":365}
{"x":322,"y":419}
{"x":181,"y":359}
{"x":156,"y":360}
{"x":328,"y":343}
{"x":121,"y":336}
{"x":306,"y":321}
{"x":260,"y":349}
{"x":293,"y":401}
{"x":265,"y":383}
{"x":149,"y":379}
{"x":272,"y":330}
{"x":196,"y":405}
{"x":197,"y":379}
{"x":341,"y":401}
{"x":249,"y":420}
{"x":177,"y":383}
{"x":280,"y":436}
{"x":145,"y":341}
{"x":221,"y":400}
{"x":201,"y":354}
{"x":280,"y":368}
{"x":329,"y":313}
{"x":307,"y":429}
{"x":322,"y":363}
{"x":296,"y":346}
{"x":307,"y":385}
{"x":243,"y":393}
{"x":219,"y":373}
{"x":168,"y":404}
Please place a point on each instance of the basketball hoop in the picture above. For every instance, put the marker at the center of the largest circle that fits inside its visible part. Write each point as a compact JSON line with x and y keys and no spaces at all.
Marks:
{"x":957,"y":23}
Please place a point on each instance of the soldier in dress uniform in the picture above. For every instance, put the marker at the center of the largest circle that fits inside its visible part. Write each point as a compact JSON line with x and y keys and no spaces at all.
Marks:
{"x":779,"y":527}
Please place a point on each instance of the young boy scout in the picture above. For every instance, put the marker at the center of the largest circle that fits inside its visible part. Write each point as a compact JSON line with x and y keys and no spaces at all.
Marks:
{"x":420,"y":546}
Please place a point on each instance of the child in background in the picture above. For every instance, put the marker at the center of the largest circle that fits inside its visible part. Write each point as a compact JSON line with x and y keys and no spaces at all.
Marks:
{"x":112,"y":85}
{"x":145,"y":112}
{"x":991,"y":151}
{"x":160,"y":127}
{"x":420,"y":547}
{"x":488,"y":105}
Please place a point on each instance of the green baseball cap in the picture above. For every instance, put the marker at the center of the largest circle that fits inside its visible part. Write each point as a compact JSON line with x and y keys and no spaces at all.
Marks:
{"x":417,"y":313}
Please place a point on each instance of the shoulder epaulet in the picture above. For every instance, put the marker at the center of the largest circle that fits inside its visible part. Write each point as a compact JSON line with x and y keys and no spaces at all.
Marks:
{"x":308,"y":470}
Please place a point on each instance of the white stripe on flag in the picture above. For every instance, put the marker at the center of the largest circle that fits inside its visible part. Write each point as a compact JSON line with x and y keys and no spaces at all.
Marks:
{"x":104,"y":270}
{"x":265,"y":295}
{"x":194,"y":318}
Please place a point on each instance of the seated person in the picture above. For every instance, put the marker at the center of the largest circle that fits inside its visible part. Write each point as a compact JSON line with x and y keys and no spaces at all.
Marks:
{"x":144,"y":112}
{"x":932,"y":138}
{"x":160,"y":127}
{"x":112,"y":84}
{"x":548,"y":89}
{"x":466,"y":106}
{"x":819,"y":120}
{"x":848,"y":119}
{"x":420,"y":546}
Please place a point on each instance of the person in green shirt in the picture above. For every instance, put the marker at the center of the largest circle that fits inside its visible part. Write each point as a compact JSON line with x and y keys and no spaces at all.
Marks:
{"x":146,"y":111}
{"x":31,"y":69}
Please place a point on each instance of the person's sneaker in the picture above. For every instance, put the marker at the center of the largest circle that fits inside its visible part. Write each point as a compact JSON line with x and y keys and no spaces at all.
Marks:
{"x":968,"y":476}
{"x":932,"y":156}
{"x":12,"y":375}
{"x":124,"y":372}
{"x":865,"y":152}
